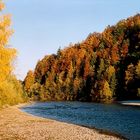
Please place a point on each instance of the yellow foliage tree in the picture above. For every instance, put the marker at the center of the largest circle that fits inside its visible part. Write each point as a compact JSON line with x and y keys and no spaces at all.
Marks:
{"x":138,"y":70}
{"x":29,"y":81}
{"x":110,"y":71}
{"x":10,"y":88}
{"x":6,"y":54}
{"x":106,"y":93}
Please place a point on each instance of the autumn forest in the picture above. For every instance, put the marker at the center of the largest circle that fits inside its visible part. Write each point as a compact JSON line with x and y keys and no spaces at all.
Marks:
{"x":105,"y":67}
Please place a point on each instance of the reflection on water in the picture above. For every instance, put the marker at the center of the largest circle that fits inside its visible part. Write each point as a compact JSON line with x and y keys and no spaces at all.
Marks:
{"x":124,"y":120}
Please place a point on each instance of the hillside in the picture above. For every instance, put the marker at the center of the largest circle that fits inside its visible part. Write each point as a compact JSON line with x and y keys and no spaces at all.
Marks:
{"x":103,"y":68}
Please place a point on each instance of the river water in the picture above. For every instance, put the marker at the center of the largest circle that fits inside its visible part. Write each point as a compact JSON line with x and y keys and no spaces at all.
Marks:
{"x":123,"y":120}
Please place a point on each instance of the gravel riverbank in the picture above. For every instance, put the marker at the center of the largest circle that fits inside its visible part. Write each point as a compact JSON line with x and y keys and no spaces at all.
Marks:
{"x":17,"y":125}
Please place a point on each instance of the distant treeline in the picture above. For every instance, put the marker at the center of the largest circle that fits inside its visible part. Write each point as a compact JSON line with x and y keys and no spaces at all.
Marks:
{"x":102,"y":68}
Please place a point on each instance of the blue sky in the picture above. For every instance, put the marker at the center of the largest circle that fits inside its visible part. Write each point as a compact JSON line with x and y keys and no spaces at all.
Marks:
{"x":42,"y":26}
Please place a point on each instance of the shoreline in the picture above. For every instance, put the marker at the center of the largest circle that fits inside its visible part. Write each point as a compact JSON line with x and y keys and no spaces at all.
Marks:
{"x":19,"y":125}
{"x":100,"y":131}
{"x":130,"y":103}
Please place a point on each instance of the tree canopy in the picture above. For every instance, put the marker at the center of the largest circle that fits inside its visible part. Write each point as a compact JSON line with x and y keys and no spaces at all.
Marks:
{"x":102,"y":68}
{"x":10,"y":88}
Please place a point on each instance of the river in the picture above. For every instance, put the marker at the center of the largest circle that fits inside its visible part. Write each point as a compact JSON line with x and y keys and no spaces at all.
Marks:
{"x":119,"y":119}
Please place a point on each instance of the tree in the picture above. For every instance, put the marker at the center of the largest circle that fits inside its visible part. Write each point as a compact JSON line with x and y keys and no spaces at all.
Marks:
{"x":10,"y":88}
{"x":59,"y":52}
{"x":138,"y":70}
{"x":129,"y":74}
{"x":111,"y":73}
{"x":29,"y":81}
{"x":100,"y":69}
{"x":7,"y":54}
{"x":105,"y":93}
{"x":113,"y":84}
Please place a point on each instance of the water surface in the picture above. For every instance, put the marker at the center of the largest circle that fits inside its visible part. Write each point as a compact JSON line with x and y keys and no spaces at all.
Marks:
{"x":124,"y":120}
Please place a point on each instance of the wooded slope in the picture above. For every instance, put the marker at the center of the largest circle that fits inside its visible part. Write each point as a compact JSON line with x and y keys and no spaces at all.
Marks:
{"x":102,"y":68}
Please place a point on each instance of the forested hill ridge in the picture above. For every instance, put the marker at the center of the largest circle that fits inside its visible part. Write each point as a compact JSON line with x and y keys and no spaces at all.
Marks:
{"x":102,"y":68}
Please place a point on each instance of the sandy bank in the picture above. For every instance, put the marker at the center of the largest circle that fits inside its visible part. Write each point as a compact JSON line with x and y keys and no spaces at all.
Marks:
{"x":130,"y":103}
{"x":17,"y":125}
